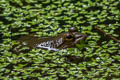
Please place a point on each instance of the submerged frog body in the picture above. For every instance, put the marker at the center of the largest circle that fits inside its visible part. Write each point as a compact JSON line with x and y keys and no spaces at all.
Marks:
{"x":64,"y":40}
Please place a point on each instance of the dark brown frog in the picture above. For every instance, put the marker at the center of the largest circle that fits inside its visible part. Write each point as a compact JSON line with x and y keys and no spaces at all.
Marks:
{"x":64,"y":40}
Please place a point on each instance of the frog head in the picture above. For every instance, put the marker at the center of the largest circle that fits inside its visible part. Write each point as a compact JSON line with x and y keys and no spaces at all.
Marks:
{"x":71,"y":38}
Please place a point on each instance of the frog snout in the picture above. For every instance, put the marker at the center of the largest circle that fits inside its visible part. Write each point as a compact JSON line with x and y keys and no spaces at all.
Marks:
{"x":84,"y":36}
{"x":81,"y":36}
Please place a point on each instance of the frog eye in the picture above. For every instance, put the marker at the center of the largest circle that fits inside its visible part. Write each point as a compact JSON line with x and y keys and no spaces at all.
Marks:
{"x":73,"y":29}
{"x":69,"y":37}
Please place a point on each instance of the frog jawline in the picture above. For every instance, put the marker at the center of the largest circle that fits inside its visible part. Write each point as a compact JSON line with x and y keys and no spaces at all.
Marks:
{"x":48,"y":48}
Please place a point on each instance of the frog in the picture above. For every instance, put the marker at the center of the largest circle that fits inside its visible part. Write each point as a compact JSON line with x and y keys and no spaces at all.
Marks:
{"x":63,"y":40}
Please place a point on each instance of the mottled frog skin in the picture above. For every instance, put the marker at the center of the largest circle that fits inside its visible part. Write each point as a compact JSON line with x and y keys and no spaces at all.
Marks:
{"x":64,"y":40}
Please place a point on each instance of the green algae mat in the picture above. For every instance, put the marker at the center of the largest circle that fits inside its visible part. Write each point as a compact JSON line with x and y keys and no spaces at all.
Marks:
{"x":98,"y":60}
